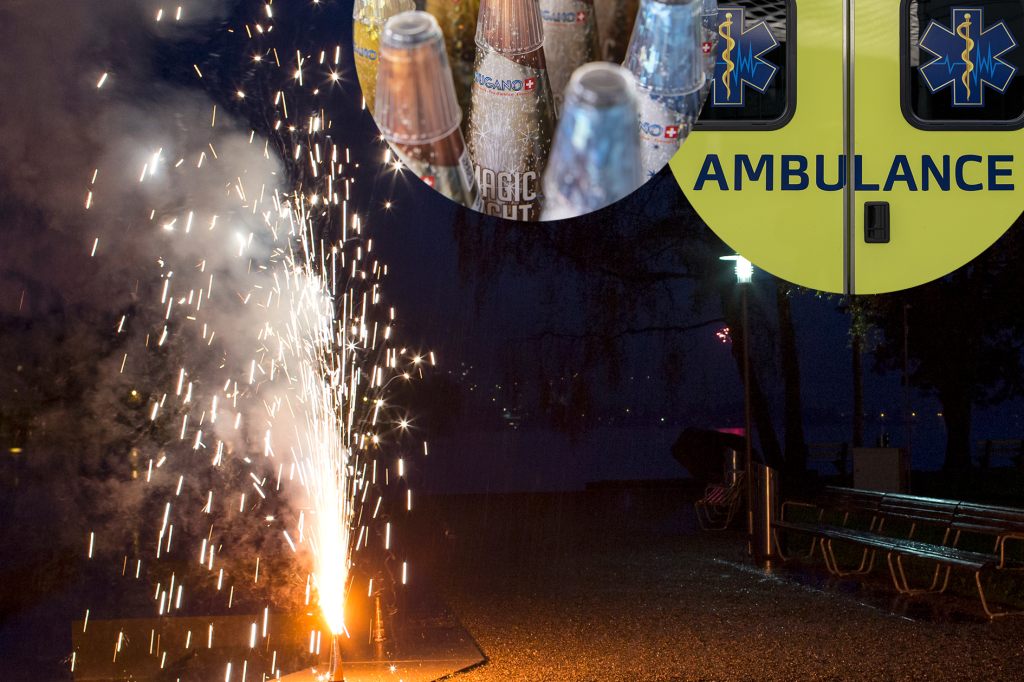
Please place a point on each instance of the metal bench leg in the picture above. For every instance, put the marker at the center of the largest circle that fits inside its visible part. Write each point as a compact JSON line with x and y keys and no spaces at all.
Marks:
{"x":704,"y":518}
{"x":731,"y":513}
{"x":984,"y":602}
{"x":783,"y":555}
{"x":698,"y":508}
{"x":945,"y":581}
{"x":901,"y":588}
{"x":864,"y":567}
{"x":708,"y":519}
{"x":827,"y":557}
{"x":931,"y":588}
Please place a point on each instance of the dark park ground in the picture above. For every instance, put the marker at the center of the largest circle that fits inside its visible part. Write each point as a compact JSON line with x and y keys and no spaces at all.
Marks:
{"x":616,"y":583}
{"x":619,"y":584}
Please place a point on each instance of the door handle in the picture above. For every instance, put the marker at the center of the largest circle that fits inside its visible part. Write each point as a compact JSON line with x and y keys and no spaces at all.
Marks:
{"x":876,"y":222}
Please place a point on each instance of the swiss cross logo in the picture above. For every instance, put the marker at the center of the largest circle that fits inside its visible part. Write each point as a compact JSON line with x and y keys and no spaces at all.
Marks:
{"x":529,"y":83}
{"x":581,"y":17}
{"x":706,"y":47}
{"x":671,"y":132}
{"x":429,"y":179}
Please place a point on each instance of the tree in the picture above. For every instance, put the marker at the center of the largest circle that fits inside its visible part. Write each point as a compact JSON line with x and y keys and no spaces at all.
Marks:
{"x":646,"y":269}
{"x":964,"y":334}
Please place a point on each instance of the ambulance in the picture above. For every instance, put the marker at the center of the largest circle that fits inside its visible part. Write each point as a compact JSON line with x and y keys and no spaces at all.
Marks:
{"x":861,"y":146}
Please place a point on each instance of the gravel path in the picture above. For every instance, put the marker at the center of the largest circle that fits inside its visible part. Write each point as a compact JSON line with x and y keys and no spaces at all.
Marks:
{"x":621,"y":586}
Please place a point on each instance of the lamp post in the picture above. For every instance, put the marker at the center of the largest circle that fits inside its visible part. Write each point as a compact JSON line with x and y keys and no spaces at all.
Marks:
{"x":744,"y":275}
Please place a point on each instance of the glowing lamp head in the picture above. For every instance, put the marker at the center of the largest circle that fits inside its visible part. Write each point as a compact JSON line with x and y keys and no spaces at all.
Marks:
{"x":744,"y":268}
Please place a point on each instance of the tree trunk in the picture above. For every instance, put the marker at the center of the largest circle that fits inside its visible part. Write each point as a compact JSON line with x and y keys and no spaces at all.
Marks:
{"x":793,"y":419}
{"x":760,"y":409}
{"x":857,"y":369}
{"x":763,"y":425}
{"x":956,"y":413}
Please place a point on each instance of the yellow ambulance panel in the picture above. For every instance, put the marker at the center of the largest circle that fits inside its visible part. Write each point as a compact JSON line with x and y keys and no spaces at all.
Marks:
{"x":899,"y":151}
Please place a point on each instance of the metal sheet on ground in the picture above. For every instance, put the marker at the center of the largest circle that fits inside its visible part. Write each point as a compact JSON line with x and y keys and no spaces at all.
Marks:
{"x":428,"y":645}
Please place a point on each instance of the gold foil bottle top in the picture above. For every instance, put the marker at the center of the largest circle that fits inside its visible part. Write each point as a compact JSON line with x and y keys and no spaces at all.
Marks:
{"x":376,"y":12}
{"x":416,"y":101}
{"x":510,"y":26}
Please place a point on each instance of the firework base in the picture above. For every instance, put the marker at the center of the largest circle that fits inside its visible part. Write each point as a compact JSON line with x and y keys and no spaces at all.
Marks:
{"x":429,"y":644}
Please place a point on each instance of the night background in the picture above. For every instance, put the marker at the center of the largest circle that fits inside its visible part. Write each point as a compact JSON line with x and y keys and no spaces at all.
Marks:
{"x":570,"y":357}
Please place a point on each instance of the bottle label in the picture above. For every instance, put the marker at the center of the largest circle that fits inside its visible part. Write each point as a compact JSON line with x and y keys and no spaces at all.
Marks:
{"x":660,"y":130}
{"x":510,"y":128}
{"x":665,"y":121}
{"x":570,"y":40}
{"x":710,"y":54}
{"x":445,"y":167}
{"x":365,"y":51}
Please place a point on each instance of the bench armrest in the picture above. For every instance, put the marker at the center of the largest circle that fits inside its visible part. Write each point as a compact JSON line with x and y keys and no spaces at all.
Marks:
{"x":1018,"y":537}
{"x":792,"y":503}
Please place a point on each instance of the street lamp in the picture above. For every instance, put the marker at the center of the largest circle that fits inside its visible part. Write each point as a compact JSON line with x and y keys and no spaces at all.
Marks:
{"x":744,"y":275}
{"x":744,"y":268}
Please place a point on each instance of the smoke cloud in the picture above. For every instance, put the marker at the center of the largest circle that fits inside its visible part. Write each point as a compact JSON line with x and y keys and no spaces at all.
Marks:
{"x":114,"y":186}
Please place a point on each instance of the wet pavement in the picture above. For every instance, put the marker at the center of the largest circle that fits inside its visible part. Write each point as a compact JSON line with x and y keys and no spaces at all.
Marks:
{"x":620,"y":585}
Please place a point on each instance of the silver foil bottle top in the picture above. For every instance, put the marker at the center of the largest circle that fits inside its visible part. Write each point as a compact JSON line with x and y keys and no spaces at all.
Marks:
{"x":664,"y":53}
{"x":595,"y":160}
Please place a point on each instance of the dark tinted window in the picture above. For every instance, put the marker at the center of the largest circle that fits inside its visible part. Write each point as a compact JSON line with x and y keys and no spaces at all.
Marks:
{"x":962,"y":62}
{"x":752,"y":83}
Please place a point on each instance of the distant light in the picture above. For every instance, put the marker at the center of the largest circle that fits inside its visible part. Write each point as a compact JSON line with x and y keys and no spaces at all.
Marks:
{"x":744,"y":268}
{"x":15,"y":451}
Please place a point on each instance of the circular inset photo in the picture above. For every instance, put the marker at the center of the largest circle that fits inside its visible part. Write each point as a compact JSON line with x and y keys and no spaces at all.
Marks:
{"x":535,"y":109}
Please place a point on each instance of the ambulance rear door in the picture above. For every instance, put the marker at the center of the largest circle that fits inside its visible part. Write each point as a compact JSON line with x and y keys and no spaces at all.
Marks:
{"x":935,"y":115}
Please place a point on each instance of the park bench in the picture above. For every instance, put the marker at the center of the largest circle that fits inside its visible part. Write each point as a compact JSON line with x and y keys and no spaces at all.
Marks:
{"x":717,"y":508}
{"x":945,"y":534}
{"x":991,"y":451}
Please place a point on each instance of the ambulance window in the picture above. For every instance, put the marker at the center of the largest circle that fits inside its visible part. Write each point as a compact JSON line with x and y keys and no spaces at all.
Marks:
{"x":754,"y":85}
{"x":961,"y":63}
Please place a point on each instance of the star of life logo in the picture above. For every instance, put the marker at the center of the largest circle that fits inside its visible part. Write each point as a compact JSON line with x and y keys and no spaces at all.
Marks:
{"x":967,"y":56}
{"x":740,"y":60}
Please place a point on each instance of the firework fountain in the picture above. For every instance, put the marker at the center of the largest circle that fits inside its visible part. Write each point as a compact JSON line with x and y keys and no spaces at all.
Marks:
{"x":288,"y":357}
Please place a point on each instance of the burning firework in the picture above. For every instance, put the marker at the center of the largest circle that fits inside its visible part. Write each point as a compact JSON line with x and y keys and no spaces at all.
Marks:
{"x":290,"y":357}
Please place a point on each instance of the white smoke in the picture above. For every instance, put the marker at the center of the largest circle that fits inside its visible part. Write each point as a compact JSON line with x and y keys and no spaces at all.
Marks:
{"x":114,"y":179}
